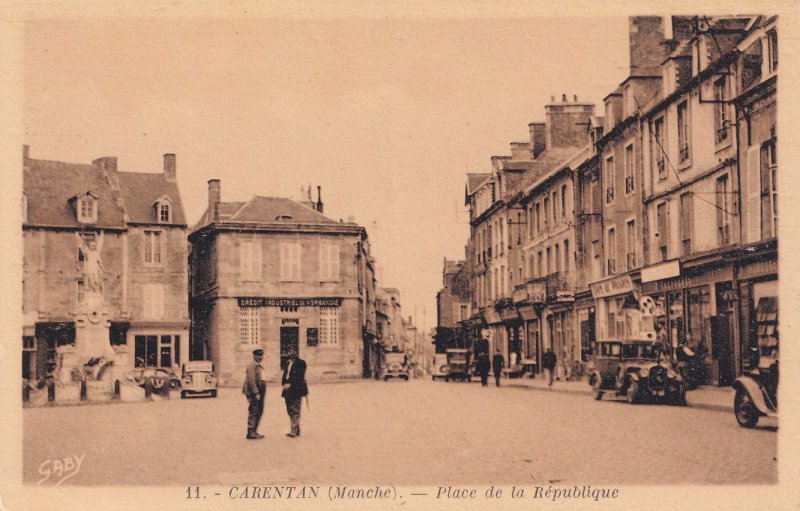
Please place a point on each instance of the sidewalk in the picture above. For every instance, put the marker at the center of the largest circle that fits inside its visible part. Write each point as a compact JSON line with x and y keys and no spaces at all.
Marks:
{"x":704,"y":397}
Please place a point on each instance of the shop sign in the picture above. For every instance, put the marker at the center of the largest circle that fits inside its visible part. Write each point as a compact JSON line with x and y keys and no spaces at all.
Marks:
{"x":536,"y":292}
{"x":616,"y":286}
{"x":260,"y":301}
{"x":661,"y":271}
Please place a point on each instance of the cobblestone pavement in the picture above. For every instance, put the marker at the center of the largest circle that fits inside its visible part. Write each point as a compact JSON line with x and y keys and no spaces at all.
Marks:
{"x":401,"y":433}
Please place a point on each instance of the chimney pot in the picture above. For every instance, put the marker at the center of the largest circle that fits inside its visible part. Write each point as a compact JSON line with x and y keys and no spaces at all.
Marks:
{"x":552,"y":99}
{"x":319,"y":199}
{"x":169,"y":167}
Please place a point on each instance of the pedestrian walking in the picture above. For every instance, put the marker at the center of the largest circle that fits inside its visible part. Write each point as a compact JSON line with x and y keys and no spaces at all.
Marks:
{"x":549,"y":365}
{"x":483,"y":365}
{"x":255,"y":389}
{"x":498,"y":362}
{"x":294,"y":389}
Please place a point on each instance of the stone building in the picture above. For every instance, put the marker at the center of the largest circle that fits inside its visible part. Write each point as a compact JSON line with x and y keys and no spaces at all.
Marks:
{"x":104,"y":267}
{"x":275,"y":273}
{"x":453,"y":307}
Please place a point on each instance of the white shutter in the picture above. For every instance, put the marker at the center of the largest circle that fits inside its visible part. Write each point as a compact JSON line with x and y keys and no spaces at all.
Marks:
{"x":295,"y":269}
{"x":753,"y":194}
{"x":324,"y":262}
{"x":255,"y":259}
{"x":285,"y":262}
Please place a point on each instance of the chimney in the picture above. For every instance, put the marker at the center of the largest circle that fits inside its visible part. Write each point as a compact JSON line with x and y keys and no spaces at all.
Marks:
{"x":107,"y":163}
{"x":214,"y":197}
{"x":520,"y":151}
{"x":169,"y":168}
{"x":319,"y":198}
{"x":26,"y":151}
{"x":646,"y":45}
{"x":538,"y":138}
{"x":565,"y":123}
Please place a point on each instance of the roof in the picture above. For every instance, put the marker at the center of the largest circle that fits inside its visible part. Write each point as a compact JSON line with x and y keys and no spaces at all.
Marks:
{"x":265,"y":210}
{"x":49,"y":185}
{"x":545,"y":163}
{"x":452,"y":266}
{"x":140,"y":190}
{"x":475,"y":180}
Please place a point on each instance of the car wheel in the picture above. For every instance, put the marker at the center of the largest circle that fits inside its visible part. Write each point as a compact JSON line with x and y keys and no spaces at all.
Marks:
{"x":174,"y":384}
{"x":598,"y":395}
{"x":183,"y":394}
{"x":433,"y":378}
{"x":446,"y":378}
{"x":385,"y":378}
{"x":469,"y":379}
{"x":633,"y":392}
{"x":214,"y":393}
{"x":745,"y":410}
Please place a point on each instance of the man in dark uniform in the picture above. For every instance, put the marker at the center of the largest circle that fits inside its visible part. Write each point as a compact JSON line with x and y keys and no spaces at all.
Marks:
{"x":294,"y":388}
{"x":255,"y":389}
{"x":549,"y":365}
{"x":498,"y":362}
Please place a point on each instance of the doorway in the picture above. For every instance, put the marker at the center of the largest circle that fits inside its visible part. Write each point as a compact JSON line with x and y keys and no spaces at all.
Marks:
{"x":289,"y":339}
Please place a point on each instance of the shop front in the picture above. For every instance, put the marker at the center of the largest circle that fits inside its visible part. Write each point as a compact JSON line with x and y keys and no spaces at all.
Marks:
{"x":585,"y":317}
{"x":696,"y":306}
{"x":758,"y":300}
{"x":617,"y":308}
{"x":529,"y":300}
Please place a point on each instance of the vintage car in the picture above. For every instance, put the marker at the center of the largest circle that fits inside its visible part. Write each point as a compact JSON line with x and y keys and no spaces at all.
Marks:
{"x":158,"y":377}
{"x":439,"y":366}
{"x":458,"y":367}
{"x":198,"y":379}
{"x":757,"y":389}
{"x":635,"y":369}
{"x":394,"y":365}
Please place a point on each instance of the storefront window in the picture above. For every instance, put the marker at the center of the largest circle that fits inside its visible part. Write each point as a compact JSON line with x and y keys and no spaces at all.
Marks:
{"x":698,"y":309}
{"x":675,"y":332}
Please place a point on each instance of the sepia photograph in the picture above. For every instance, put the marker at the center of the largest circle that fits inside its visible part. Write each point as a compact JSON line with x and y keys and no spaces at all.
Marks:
{"x":386,"y":257}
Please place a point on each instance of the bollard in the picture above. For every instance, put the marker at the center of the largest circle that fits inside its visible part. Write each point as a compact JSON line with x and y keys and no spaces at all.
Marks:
{"x":116,"y":390}
{"x":51,"y":391}
{"x":83,"y":391}
{"x":148,"y":388}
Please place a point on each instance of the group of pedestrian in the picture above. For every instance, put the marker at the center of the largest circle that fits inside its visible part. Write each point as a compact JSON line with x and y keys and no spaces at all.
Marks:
{"x":498,"y":362}
{"x":294,"y":388}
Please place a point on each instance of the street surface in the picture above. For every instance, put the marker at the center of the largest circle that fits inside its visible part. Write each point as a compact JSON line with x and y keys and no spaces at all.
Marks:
{"x":412,"y":433}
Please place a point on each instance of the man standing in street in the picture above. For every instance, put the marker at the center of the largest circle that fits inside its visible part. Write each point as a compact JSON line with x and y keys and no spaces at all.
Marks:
{"x":255,"y":389}
{"x":294,"y":388}
{"x":549,"y":365}
{"x":498,"y":362}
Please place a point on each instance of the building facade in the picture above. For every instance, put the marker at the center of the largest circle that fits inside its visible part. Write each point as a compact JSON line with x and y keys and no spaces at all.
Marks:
{"x":453,"y":307}
{"x":273,"y":273}
{"x":104,"y":268}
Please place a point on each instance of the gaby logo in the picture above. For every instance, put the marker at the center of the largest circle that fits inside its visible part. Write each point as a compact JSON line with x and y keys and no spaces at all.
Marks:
{"x":59,"y":470}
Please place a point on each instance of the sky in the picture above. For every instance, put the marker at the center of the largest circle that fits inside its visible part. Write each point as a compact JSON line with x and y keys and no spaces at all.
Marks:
{"x":386,"y":114}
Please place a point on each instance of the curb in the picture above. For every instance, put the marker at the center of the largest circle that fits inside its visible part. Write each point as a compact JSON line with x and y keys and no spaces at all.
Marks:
{"x":690,"y":404}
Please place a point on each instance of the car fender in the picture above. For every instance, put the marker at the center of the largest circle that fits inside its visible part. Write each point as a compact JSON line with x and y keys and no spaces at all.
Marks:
{"x":753,"y":389}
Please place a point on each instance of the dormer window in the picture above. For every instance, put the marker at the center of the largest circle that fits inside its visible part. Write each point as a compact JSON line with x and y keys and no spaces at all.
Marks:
{"x":86,"y":208}
{"x":284,"y":217}
{"x":163,"y":210}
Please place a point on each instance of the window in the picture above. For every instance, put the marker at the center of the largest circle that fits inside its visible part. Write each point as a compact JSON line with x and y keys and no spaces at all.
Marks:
{"x":329,"y":326}
{"x":663,"y":230}
{"x":87,"y":210}
{"x":564,"y":202}
{"x":772,"y":47}
{"x":611,"y":172}
{"x":329,"y":262}
{"x":612,"y":251}
{"x":250,"y":260}
{"x":80,"y":293}
{"x":629,"y":169}
{"x":539,"y":264}
{"x":723,"y":220}
{"x":530,"y":221}
{"x":555,"y":207}
{"x":290,"y":261}
{"x":164,"y":212}
{"x":538,"y":218}
{"x":751,"y":64}
{"x":687,"y":221}
{"x":683,"y":131}
{"x":250,"y":326}
{"x":549,"y":261}
{"x":566,"y":255}
{"x":721,"y":121}
{"x":152,"y":247}
{"x":500,"y":237}
{"x":630,"y":243}
{"x":769,"y":189}
{"x":558,"y":257}
{"x":153,"y":301}
{"x":463,"y":313}
{"x":658,"y":148}
{"x":546,"y":210}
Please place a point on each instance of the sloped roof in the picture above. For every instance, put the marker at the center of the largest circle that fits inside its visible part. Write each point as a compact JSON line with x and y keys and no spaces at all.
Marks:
{"x":265,"y":210}
{"x":140,"y":190}
{"x":49,"y":185}
{"x":475,"y":180}
{"x":545,"y":163}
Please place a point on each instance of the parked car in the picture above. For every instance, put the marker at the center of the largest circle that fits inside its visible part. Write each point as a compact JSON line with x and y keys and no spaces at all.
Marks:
{"x":458,"y":365}
{"x":440,"y":366}
{"x":158,"y":376}
{"x":757,"y":390}
{"x":635,"y":369}
{"x":198,"y":378}
{"x":394,"y":365}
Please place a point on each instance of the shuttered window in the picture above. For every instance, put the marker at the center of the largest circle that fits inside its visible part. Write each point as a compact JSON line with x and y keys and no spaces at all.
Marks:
{"x":250,"y":260}
{"x":290,"y":261}
{"x":329,"y":261}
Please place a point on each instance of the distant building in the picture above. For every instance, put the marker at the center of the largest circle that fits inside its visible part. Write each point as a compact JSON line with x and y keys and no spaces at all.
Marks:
{"x":275,"y":273}
{"x":104,"y":267}
{"x":453,"y":307}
